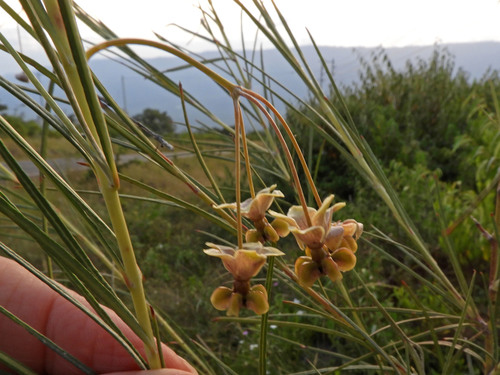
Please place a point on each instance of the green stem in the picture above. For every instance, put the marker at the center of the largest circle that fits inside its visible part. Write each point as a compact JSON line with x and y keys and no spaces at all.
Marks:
{"x":264,"y":321}
{"x":133,"y":275}
{"x":237,"y":125}
{"x":247,"y":157}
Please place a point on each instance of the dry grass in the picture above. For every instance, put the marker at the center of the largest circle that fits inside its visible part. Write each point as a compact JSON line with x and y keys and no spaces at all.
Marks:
{"x":158,"y":178}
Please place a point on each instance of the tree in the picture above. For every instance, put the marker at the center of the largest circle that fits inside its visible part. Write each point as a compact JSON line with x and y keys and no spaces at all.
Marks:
{"x":156,"y":121}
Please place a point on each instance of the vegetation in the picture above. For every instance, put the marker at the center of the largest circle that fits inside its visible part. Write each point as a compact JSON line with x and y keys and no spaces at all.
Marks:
{"x":413,"y":153}
{"x":157,"y":121}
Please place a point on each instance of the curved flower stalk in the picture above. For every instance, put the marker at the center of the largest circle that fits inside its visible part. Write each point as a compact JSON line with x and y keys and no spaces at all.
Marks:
{"x":255,"y":209}
{"x":329,"y":246}
{"x":243,"y":263}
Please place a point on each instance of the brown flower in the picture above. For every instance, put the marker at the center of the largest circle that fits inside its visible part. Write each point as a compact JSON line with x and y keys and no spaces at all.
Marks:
{"x":243,"y":264}
{"x":255,"y":210}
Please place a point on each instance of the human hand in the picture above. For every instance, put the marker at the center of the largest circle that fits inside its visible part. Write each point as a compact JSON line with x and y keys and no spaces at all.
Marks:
{"x":52,"y":315}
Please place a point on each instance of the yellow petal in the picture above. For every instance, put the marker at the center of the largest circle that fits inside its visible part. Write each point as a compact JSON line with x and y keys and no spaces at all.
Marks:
{"x":350,"y":243}
{"x":345,"y":259}
{"x":307,"y":271}
{"x":338,"y":206}
{"x":350,"y":227}
{"x":235,"y":304}
{"x":252,"y":235}
{"x":221,"y":298}
{"x":266,"y":251}
{"x":218,"y":250}
{"x":256,"y":300}
{"x":359,"y":230}
{"x":331,"y":269}
{"x":281,"y":227}
{"x":271,"y":234}
{"x":323,"y":216}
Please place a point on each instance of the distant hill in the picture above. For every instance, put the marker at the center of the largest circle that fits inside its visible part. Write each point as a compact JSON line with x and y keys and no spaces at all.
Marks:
{"x":135,"y":93}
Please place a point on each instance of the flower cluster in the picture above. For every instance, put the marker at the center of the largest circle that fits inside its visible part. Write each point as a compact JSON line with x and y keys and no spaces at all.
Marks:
{"x":329,"y":248}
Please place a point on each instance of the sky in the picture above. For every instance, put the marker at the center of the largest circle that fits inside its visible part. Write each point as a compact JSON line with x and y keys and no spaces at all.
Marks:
{"x":349,"y":23}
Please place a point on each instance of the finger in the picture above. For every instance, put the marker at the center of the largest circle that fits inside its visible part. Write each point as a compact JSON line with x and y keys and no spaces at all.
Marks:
{"x":45,"y":310}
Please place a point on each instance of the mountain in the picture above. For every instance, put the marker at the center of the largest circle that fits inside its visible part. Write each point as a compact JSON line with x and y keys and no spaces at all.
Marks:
{"x":135,"y":93}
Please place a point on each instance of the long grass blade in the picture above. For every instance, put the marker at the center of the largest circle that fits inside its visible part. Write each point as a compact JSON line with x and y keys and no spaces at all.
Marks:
{"x":14,"y":365}
{"x":47,"y":342}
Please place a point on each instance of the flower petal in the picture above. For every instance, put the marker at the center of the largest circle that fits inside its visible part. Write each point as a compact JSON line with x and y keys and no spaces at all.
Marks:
{"x":231,"y":206}
{"x":218,"y":250}
{"x":260,"y":204}
{"x":323,"y":216}
{"x":307,"y":271}
{"x":271,"y":234}
{"x":281,"y":227}
{"x":253,"y":235}
{"x":350,"y":227}
{"x":245,"y":264}
{"x":334,"y":237}
{"x":235,"y":304}
{"x":221,"y":298}
{"x":350,"y":243}
{"x":256,"y":300}
{"x":296,"y":214}
{"x":269,"y":251}
{"x":338,"y":206}
{"x":331,"y":269}
{"x":312,"y":237}
{"x":260,"y":249}
{"x":344,"y":258}
{"x":254,"y":246}
{"x":255,"y":208}
{"x":359,"y":231}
